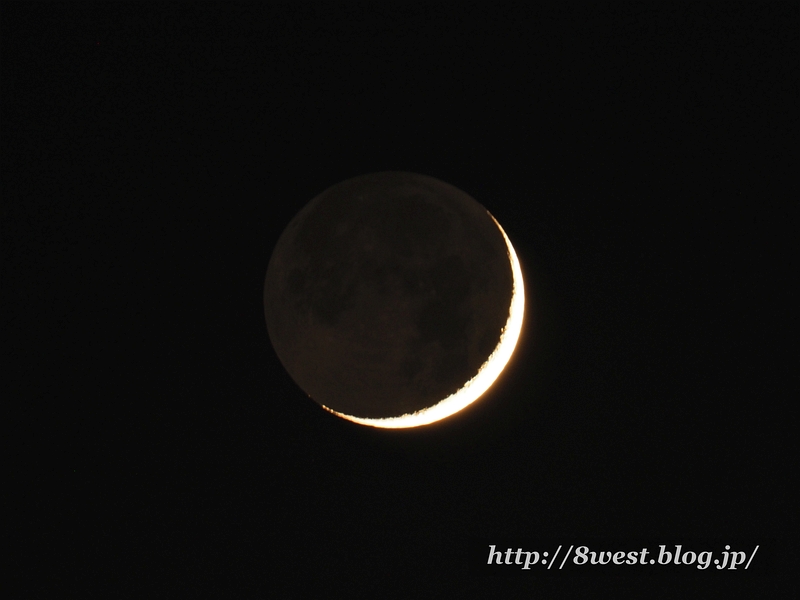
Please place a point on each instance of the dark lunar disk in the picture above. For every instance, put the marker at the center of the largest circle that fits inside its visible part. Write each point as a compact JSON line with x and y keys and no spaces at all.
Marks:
{"x":386,"y":293}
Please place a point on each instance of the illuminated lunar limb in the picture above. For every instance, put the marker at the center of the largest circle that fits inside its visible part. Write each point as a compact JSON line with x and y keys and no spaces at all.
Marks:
{"x":483,"y":379}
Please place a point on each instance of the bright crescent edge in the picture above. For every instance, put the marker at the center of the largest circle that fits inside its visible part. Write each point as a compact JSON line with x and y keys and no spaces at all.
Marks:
{"x":486,"y":375}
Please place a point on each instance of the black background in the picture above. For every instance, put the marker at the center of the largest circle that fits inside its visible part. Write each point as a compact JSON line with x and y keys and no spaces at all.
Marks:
{"x":637,"y":157}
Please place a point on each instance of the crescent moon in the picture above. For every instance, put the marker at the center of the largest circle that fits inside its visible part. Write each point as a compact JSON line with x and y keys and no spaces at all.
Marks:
{"x":483,"y":379}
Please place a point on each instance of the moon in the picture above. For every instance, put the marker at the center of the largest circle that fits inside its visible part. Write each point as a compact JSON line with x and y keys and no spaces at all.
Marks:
{"x":394,"y":299}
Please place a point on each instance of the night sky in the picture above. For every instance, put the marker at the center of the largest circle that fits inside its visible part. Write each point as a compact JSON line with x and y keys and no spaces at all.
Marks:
{"x":639,"y":159}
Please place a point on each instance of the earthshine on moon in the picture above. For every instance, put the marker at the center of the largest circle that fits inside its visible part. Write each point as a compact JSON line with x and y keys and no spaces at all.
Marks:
{"x":394,"y":300}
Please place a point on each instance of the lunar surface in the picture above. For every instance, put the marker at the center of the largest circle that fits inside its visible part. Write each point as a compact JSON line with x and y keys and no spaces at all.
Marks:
{"x":393,"y":299}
